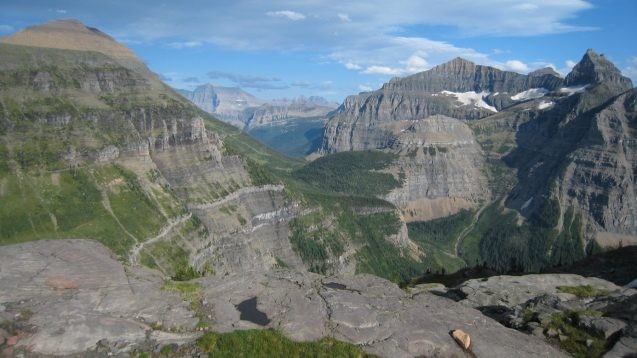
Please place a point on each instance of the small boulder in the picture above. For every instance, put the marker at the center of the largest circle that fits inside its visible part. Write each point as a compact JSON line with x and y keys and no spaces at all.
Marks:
{"x":462,"y":338}
{"x":551,"y":333}
{"x":538,"y":332}
{"x":605,"y":326}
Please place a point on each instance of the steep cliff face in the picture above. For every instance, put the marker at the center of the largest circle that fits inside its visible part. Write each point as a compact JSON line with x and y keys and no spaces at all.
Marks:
{"x":579,"y":152}
{"x":442,"y":164}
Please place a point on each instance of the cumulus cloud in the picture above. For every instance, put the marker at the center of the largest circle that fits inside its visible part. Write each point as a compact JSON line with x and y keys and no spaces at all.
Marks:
{"x":352,"y":66}
{"x":570,"y":64}
{"x":248,"y":81}
{"x":403,"y":55}
{"x":342,"y":31}
{"x":516,"y":66}
{"x":382,"y":70}
{"x":292,"y":15}
{"x":185,"y":44}
{"x":365,"y":88}
{"x":415,"y":64}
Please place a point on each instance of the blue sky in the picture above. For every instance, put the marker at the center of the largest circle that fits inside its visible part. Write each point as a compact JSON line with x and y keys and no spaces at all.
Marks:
{"x":336,"y":48}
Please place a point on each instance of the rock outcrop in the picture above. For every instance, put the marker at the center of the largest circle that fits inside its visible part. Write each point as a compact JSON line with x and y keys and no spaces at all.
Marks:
{"x":562,"y":308}
{"x":442,"y":165}
{"x":64,"y":296}
{"x":128,"y":311}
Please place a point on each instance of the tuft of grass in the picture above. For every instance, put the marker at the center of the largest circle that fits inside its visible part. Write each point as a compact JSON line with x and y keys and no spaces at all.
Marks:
{"x":583,"y":291}
{"x":575,"y":342}
{"x":271,"y":343}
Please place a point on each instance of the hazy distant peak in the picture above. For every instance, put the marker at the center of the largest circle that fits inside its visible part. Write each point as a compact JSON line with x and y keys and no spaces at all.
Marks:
{"x":545,"y":71}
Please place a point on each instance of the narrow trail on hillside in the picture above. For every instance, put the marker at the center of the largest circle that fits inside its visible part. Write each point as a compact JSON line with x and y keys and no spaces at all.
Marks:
{"x":172,"y":223}
{"x":107,"y":205}
{"x":467,"y":230}
{"x":236,"y":194}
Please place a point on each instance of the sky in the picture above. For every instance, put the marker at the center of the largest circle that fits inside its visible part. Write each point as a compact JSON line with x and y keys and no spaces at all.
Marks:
{"x":333,"y":49}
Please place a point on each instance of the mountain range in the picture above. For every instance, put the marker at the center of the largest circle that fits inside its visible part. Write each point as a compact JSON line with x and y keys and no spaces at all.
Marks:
{"x":244,"y":110}
{"x":135,"y":222}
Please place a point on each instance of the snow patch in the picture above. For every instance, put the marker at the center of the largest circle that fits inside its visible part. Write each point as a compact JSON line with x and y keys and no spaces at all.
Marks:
{"x":545,"y":104}
{"x":472,"y":98}
{"x":532,"y":93}
{"x":573,"y":89}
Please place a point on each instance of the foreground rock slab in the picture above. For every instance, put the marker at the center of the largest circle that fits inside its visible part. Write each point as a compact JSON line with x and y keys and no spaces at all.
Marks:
{"x":72,"y":297}
{"x":71,"y":294}
{"x":365,"y":310}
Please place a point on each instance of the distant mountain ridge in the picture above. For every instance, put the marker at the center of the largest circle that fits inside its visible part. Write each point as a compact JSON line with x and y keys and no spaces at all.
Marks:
{"x":244,"y":110}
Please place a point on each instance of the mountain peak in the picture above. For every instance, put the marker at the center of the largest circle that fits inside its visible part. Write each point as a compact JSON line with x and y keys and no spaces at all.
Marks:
{"x":545,"y":71}
{"x":595,"y":68}
{"x":457,"y":62}
{"x":70,"y":34}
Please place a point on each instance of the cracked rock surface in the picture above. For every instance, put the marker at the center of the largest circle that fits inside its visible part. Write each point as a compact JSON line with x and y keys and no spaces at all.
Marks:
{"x":73,"y":293}
{"x":72,"y":296}
{"x":365,"y":310}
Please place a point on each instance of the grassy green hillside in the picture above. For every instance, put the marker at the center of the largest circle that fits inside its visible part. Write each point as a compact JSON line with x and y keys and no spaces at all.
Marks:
{"x":54,"y":122}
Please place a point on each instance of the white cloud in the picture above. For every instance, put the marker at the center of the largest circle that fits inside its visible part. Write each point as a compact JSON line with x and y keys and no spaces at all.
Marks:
{"x":186,"y":44}
{"x":415,"y":64}
{"x":365,"y":88}
{"x":402,"y":55}
{"x":516,"y":66}
{"x":61,"y":11}
{"x":382,"y":70}
{"x":292,"y":15}
{"x":570,"y":64}
{"x":526,"y":7}
{"x":347,"y":32}
{"x":343,"y":17}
